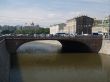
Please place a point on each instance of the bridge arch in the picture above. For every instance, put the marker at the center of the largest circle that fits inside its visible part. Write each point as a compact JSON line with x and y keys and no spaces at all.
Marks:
{"x":67,"y":45}
{"x":74,"y":46}
{"x":40,"y":46}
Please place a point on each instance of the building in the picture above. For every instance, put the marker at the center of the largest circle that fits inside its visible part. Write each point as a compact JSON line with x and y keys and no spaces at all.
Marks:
{"x":102,"y":26}
{"x":7,"y":27}
{"x":106,"y":23}
{"x":70,"y":26}
{"x":96,"y":29}
{"x":57,"y":28}
{"x":31,"y":26}
{"x":99,"y":27}
{"x":79,"y":25}
{"x":84,"y":25}
{"x":98,"y":23}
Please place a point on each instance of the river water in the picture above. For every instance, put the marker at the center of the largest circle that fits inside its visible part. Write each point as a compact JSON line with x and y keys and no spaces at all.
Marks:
{"x":41,"y":61}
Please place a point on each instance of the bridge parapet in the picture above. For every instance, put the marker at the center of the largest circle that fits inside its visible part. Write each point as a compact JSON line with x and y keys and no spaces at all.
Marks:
{"x":54,"y":37}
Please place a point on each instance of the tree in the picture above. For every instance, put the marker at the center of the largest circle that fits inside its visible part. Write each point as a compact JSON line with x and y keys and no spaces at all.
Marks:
{"x":33,"y":31}
{"x":7,"y":32}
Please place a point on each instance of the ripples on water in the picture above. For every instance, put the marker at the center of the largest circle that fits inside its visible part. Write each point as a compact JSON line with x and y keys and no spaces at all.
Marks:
{"x":42,"y":62}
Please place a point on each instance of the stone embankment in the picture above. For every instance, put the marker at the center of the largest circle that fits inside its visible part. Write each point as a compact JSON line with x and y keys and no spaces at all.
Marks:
{"x":105,"y":47}
{"x":4,"y":62}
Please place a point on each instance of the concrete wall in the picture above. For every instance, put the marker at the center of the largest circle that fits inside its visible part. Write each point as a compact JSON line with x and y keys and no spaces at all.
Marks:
{"x":105,"y":47}
{"x":4,"y":63}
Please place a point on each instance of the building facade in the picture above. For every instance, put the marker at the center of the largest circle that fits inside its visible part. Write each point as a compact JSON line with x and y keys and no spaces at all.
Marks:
{"x":102,"y":30}
{"x":102,"y":26}
{"x":99,"y":26}
{"x":6,"y":27}
{"x":71,"y":26}
{"x":57,"y":28}
{"x":79,"y":25}
{"x":84,"y":25}
{"x":98,"y":23}
{"x":106,"y":23}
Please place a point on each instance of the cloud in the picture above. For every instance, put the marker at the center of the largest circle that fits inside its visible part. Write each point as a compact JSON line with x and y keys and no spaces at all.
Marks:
{"x":98,"y":1}
{"x":52,"y":15}
{"x":28,"y":15}
{"x":55,"y":11}
{"x":38,"y":16}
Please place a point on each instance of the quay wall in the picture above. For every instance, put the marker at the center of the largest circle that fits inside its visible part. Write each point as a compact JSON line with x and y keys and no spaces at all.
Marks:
{"x":105,"y":49}
{"x":4,"y":62}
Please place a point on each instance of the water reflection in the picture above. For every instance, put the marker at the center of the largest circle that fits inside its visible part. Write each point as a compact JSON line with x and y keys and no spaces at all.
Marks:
{"x":46,"y":46}
{"x":53,"y":66}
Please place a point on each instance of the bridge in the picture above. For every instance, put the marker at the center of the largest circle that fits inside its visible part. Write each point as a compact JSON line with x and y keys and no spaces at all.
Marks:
{"x":78,"y":43}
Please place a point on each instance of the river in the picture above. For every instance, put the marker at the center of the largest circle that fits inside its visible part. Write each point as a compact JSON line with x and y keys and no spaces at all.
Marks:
{"x":42,"y":61}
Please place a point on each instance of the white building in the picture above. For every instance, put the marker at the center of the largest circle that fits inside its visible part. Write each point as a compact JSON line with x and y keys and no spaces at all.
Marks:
{"x":99,"y":30}
{"x":70,"y":26}
{"x":57,"y":28}
{"x":101,"y":25}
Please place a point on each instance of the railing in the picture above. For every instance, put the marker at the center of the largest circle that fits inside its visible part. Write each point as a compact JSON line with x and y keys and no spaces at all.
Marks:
{"x":51,"y":37}
{"x":106,"y":37}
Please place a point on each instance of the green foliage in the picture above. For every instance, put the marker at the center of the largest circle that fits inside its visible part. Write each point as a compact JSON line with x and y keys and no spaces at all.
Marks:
{"x":23,"y":30}
{"x":33,"y":31}
{"x":7,"y":32}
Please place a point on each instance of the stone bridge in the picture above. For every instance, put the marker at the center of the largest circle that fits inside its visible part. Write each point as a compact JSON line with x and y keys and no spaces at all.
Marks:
{"x":79,"y":43}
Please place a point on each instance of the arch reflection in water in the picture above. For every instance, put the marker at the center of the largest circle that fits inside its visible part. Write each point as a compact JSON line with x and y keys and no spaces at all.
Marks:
{"x":58,"y":67}
{"x":40,"y":46}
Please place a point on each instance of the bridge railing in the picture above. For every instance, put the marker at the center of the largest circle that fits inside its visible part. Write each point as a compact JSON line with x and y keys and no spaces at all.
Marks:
{"x":106,"y":37}
{"x":52,"y":37}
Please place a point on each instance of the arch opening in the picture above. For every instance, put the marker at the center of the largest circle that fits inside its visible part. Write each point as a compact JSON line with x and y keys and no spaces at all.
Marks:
{"x":40,"y":46}
{"x":74,"y":46}
{"x":63,"y":45}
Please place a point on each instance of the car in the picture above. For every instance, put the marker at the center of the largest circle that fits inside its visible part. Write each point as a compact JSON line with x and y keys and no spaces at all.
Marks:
{"x":95,"y":34}
{"x":61,"y":34}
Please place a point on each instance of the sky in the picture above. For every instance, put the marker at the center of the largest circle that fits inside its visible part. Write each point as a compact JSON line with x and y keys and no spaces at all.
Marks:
{"x":48,"y":12}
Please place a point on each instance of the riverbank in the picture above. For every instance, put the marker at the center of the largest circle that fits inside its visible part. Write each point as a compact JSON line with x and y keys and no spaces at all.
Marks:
{"x":105,"y":49}
{"x":4,"y":62}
